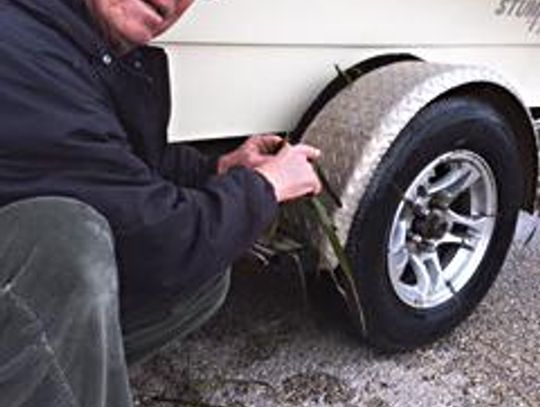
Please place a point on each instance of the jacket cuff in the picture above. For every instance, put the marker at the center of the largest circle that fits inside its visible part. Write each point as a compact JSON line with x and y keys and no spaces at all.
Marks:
{"x":261,"y":193}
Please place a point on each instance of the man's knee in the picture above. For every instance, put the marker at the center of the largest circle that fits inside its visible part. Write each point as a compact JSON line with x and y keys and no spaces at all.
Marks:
{"x":40,"y":217}
{"x":58,"y":240}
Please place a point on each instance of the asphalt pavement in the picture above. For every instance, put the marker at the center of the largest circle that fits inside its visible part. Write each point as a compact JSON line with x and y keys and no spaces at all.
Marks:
{"x":269,"y":347}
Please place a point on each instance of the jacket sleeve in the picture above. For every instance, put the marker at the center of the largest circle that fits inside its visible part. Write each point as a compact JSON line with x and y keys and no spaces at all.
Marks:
{"x":59,"y":136}
{"x":186,"y":166}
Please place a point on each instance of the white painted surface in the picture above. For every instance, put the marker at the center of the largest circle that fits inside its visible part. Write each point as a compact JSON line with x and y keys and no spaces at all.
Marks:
{"x":248,"y":66}
{"x":353,"y":22}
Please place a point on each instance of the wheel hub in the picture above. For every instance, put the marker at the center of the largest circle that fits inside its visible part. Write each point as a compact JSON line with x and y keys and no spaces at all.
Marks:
{"x":433,"y":226}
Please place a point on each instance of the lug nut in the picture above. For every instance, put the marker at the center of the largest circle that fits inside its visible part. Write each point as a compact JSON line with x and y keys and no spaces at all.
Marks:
{"x":441,"y":201}
{"x":422,"y":191}
{"x":417,"y":239}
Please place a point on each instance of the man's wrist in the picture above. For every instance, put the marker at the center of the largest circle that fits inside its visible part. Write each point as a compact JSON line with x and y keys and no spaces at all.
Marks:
{"x":270,"y":179}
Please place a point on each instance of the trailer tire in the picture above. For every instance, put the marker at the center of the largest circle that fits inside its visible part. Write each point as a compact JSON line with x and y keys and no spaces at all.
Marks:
{"x":401,"y":211}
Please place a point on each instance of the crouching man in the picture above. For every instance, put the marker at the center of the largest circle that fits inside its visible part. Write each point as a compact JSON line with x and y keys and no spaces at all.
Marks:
{"x":113,"y":242}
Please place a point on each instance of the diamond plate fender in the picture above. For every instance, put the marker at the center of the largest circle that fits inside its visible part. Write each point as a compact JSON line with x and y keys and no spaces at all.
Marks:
{"x":358,"y":126}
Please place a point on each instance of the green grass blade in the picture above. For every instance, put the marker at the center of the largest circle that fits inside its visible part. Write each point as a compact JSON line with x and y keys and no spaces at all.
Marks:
{"x":350,"y":291}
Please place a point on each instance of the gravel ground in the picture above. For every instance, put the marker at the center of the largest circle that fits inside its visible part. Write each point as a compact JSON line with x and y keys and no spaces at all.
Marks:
{"x":267,"y":347}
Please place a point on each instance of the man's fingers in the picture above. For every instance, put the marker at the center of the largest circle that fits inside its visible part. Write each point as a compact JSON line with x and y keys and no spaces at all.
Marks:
{"x":317,"y":184}
{"x":310,"y":152}
{"x":318,"y":187}
{"x":271,"y":138}
{"x":266,"y":138}
{"x":269,"y":143}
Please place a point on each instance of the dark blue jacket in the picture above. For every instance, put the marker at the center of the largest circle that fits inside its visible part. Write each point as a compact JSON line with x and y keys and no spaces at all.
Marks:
{"x":77,"y":121}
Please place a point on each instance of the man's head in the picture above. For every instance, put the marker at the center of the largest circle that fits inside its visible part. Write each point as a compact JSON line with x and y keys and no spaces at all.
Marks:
{"x":128,"y":23}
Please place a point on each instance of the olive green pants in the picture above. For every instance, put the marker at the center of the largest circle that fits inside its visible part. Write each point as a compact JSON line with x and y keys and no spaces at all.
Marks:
{"x":61,"y":341}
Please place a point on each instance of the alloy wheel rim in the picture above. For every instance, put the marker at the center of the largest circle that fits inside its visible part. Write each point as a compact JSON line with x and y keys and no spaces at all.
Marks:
{"x":442,"y":229}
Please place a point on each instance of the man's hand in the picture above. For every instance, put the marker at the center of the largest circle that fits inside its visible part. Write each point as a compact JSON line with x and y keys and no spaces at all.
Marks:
{"x":256,"y":151}
{"x":291,"y":173}
{"x":288,"y":170}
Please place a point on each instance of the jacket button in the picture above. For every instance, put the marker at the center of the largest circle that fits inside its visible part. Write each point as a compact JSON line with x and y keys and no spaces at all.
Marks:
{"x":107,"y":59}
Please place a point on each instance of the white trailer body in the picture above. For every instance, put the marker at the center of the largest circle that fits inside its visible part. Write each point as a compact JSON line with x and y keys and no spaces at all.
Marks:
{"x":243,"y":66}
